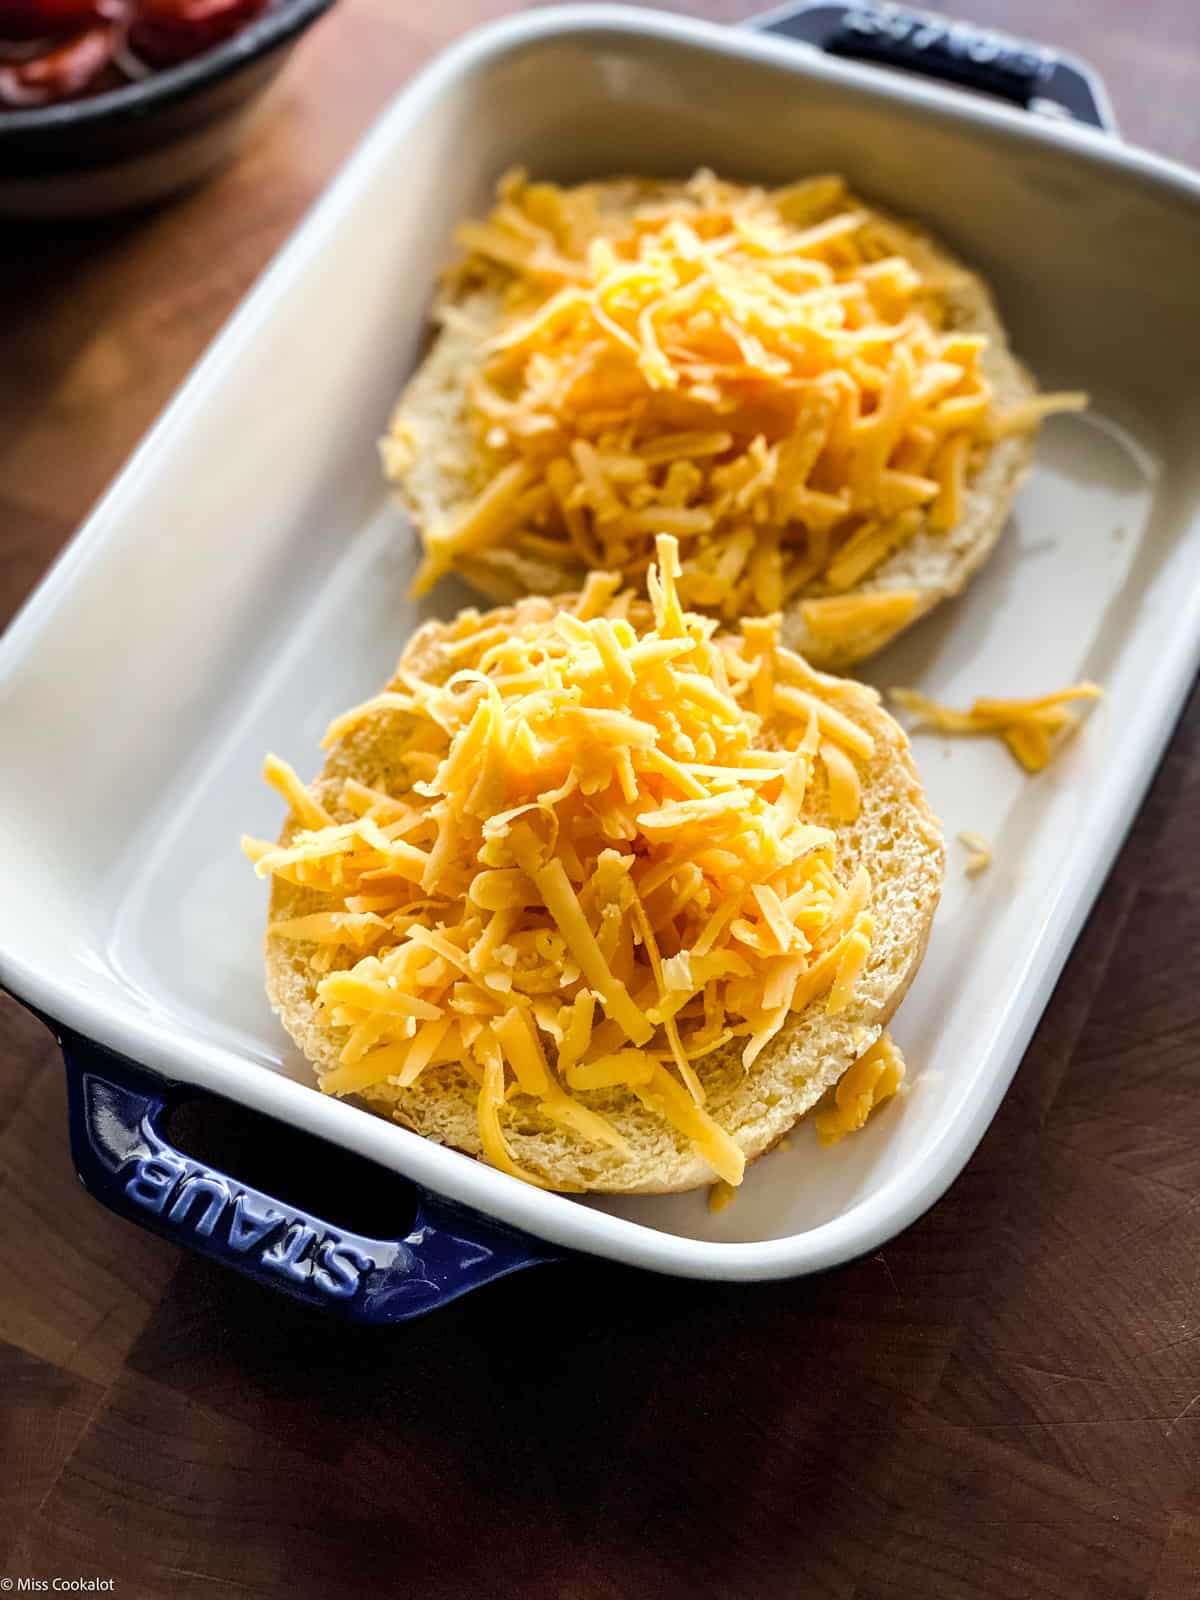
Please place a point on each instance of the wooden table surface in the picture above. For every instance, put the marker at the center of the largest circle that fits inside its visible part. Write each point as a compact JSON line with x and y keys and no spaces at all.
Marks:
{"x":1003,"y":1403}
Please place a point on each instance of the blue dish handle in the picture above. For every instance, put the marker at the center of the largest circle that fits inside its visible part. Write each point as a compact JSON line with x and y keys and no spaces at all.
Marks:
{"x":125,"y":1159}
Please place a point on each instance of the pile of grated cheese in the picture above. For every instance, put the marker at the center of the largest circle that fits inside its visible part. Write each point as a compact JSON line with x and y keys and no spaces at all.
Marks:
{"x":591,"y":866}
{"x":762,"y":373}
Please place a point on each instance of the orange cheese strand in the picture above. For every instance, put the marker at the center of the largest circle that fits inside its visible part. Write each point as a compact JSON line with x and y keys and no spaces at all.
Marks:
{"x":762,"y":373}
{"x":850,"y":618}
{"x":593,"y":865}
{"x":873,"y":1078}
{"x":1032,"y":729}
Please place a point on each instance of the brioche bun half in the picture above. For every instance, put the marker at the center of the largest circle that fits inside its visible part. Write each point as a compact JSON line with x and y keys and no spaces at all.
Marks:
{"x":441,"y":466}
{"x":894,"y":836}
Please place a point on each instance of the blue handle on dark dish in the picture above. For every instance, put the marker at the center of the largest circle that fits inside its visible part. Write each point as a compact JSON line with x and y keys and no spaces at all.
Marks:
{"x":125,"y":1160}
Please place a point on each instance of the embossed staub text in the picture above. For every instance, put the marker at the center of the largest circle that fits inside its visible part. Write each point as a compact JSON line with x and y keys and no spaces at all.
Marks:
{"x":194,"y":1200}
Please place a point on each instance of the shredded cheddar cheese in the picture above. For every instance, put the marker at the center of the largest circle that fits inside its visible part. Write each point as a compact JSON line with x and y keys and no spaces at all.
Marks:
{"x":868,"y":620}
{"x":873,"y":1078}
{"x":1032,"y":729}
{"x":762,"y":373}
{"x":592,"y":864}
{"x":979,"y":858}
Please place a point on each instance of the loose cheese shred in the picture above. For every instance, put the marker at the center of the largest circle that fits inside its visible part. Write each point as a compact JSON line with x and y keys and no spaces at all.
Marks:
{"x":851,"y":618}
{"x":587,"y":871}
{"x":769,"y":378}
{"x":280,"y":776}
{"x":845,"y":791}
{"x":980,"y":856}
{"x":873,"y":1078}
{"x":1029,"y":414}
{"x":1032,"y":729}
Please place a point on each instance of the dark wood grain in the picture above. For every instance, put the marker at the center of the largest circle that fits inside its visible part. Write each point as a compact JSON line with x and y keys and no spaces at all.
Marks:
{"x":1003,"y":1404}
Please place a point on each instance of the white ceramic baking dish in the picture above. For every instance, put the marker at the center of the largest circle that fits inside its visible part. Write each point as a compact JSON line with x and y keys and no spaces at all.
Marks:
{"x":245,"y":579}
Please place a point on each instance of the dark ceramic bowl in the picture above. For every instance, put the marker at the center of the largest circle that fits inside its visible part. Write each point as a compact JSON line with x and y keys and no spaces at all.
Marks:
{"x":136,"y":144}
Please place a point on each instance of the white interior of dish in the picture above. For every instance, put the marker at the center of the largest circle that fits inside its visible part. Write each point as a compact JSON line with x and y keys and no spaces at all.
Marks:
{"x":246,"y":579}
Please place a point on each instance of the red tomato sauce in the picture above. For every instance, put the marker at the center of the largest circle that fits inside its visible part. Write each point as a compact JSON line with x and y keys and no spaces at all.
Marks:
{"x":55,"y":50}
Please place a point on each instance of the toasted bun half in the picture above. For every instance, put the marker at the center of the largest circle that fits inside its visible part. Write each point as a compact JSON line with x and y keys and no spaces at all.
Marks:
{"x":441,"y":466}
{"x":895,"y":837}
